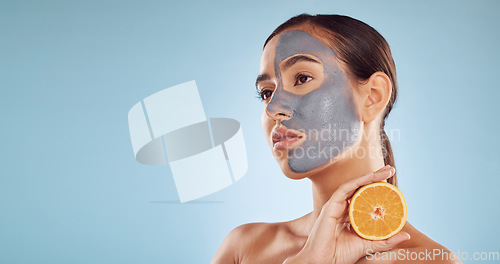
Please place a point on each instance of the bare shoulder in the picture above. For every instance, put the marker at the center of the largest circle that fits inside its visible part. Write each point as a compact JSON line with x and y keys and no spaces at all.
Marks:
{"x":251,"y":237}
{"x":419,"y":249}
{"x":259,"y":243}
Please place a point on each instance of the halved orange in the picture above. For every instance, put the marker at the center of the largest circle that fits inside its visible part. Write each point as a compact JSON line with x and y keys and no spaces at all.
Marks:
{"x":377,"y":211}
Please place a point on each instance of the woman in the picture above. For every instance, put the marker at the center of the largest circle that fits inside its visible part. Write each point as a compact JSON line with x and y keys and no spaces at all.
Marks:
{"x":327,"y":83}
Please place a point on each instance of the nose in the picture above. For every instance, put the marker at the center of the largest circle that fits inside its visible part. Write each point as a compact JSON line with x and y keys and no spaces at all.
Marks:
{"x":278,"y":107}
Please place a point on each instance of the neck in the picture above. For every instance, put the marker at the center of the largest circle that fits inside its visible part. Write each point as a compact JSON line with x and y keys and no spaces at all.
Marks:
{"x":329,"y":179}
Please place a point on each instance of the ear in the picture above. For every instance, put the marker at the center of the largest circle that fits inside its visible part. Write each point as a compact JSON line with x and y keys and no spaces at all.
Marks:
{"x":376,"y":94}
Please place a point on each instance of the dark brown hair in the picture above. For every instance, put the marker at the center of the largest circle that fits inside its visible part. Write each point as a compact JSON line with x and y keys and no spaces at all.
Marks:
{"x":361,"y":49}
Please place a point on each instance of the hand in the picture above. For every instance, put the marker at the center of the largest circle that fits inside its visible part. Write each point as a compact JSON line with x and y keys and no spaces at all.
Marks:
{"x":330,"y":241}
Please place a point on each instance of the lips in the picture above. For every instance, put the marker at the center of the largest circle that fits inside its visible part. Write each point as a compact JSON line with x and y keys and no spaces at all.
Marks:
{"x":284,"y":138}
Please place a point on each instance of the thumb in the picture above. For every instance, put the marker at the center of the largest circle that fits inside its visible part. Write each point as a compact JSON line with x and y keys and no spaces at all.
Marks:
{"x":388,"y":244}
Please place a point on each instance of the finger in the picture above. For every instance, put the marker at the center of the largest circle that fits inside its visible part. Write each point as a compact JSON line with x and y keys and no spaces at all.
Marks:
{"x":388,"y":244}
{"x":380,"y":175}
{"x":348,"y":188}
{"x":337,"y":203}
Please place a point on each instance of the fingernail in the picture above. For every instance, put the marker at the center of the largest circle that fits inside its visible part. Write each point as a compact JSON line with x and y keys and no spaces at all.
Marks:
{"x":404,"y":237}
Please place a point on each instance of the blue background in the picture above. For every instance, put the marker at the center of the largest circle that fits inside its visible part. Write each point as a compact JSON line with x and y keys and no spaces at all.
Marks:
{"x":72,"y":192}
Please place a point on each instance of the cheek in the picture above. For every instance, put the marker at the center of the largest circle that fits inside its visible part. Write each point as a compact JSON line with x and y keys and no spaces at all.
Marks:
{"x":317,"y":108}
{"x":324,"y":108}
{"x":329,"y":109}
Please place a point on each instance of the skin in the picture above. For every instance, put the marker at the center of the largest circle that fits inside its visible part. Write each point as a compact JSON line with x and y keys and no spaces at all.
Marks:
{"x":321,"y":112}
{"x":321,"y":236}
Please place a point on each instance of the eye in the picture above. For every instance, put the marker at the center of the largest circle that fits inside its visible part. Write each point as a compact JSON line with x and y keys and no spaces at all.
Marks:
{"x":301,"y":78}
{"x":265,"y":94}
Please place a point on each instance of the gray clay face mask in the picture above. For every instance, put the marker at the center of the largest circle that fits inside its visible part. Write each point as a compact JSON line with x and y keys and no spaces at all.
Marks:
{"x":327,"y":114}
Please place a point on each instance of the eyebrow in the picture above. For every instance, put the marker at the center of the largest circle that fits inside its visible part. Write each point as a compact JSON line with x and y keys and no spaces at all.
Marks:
{"x":288,"y":63}
{"x":261,"y":78}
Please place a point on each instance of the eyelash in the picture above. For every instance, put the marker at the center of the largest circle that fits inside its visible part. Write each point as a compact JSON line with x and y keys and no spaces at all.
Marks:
{"x":260,"y":94}
{"x":298,"y":75}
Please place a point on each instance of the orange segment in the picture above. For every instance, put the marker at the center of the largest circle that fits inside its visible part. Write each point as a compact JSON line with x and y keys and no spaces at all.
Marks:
{"x":378,"y":211}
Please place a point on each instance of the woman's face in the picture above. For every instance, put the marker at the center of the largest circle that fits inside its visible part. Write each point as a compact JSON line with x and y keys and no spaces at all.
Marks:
{"x":309,"y":115}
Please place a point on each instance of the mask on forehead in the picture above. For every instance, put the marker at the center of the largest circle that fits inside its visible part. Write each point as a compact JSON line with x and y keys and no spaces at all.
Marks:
{"x":327,"y":115}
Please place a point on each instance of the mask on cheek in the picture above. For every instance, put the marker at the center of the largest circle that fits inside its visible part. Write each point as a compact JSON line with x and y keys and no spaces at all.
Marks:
{"x":327,"y":115}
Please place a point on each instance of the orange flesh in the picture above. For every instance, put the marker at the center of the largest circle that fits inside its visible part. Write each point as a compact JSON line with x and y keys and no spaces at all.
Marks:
{"x":377,"y":212}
